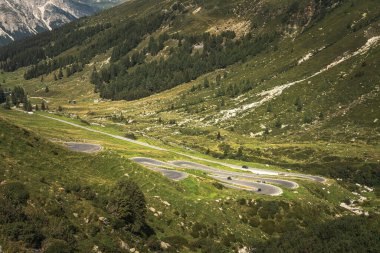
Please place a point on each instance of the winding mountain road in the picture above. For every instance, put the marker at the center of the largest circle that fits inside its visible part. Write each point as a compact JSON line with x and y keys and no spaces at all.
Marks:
{"x":83,"y":147}
{"x":242,"y":179}
{"x":229,"y":179}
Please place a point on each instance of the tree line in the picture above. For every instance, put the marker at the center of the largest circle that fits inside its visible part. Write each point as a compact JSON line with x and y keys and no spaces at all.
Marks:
{"x":18,"y":97}
{"x":185,"y":63}
{"x":123,"y":37}
{"x":46,"y":45}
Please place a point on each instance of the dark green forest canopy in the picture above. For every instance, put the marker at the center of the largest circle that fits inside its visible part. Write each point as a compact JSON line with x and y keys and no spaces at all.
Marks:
{"x":346,"y":234}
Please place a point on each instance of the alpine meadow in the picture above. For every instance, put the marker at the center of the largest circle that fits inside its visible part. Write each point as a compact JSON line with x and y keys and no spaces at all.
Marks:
{"x":209,"y":126}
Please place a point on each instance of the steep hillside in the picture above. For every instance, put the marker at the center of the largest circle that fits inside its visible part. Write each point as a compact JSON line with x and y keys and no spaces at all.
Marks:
{"x":56,"y":200}
{"x":20,"y":19}
{"x":258,"y":72}
{"x":285,"y":91}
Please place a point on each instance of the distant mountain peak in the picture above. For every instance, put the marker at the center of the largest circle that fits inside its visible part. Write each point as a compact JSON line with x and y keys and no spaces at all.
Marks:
{"x":19,"y":19}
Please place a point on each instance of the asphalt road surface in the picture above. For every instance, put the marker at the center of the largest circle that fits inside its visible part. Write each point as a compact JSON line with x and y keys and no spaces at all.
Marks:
{"x":83,"y":147}
{"x":260,"y":188}
{"x":254,"y":170}
{"x":155,"y":165}
{"x":237,"y":175}
{"x":150,"y":161}
{"x":229,"y":179}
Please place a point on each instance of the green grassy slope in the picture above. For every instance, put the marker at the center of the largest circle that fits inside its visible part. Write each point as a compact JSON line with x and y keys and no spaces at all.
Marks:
{"x":308,"y":101}
{"x":81,"y":186}
{"x":327,"y":124}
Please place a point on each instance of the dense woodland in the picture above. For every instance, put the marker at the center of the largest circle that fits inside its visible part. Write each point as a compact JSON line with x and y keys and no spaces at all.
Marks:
{"x":346,"y":234}
{"x":131,"y":75}
{"x":194,"y":56}
{"x":19,"y":98}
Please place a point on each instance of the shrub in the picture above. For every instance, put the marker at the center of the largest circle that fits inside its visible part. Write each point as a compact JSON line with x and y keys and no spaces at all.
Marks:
{"x":56,"y":246}
{"x":176,"y":241}
{"x":307,"y":119}
{"x":154,"y":244}
{"x":9,"y":212}
{"x":254,"y":222}
{"x":63,"y":229}
{"x":268,"y":226}
{"x":15,"y":192}
{"x":26,"y":232}
{"x":218,"y":185}
{"x":131,"y":136}
{"x":127,"y":203}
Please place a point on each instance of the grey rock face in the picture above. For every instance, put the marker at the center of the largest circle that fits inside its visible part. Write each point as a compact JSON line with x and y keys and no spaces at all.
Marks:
{"x":22,"y":18}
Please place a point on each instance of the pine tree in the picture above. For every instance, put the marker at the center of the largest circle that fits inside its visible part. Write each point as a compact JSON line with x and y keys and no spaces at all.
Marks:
{"x":239,"y":152}
{"x":37,"y":108}
{"x":266,"y":132}
{"x":2,"y":95}
{"x":218,"y":136}
{"x":269,"y":108}
{"x":43,"y":107}
{"x":278,"y":123}
{"x":25,"y":103}
{"x":8,"y":103}
{"x":298,"y":104}
{"x":46,"y":89}
{"x":29,"y":106}
{"x":60,"y":73}
{"x":206,"y":83}
{"x":218,"y":79}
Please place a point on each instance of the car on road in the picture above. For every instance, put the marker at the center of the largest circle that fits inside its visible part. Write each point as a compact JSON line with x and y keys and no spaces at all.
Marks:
{"x":259,"y":190}
{"x":229,"y":178}
{"x":244,"y":167}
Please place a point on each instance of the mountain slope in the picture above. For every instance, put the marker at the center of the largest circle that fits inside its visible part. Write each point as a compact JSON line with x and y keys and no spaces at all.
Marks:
{"x":283,"y":86}
{"x":259,"y":72}
{"x":20,"y":19}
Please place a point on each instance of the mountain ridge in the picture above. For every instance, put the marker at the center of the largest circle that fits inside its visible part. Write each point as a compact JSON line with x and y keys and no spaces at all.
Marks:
{"x":280,"y":88}
{"x":21,"y":19}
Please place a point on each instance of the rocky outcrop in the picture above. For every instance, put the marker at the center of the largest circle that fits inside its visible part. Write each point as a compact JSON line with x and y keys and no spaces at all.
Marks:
{"x":19,"y":18}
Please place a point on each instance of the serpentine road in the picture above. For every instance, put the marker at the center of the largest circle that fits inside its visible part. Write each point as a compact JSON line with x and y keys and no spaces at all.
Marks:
{"x":229,"y":179}
{"x":284,"y":183}
{"x":83,"y":147}
{"x":156,"y":165}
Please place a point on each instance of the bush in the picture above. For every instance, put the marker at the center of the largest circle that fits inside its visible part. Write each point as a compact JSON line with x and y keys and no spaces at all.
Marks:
{"x":218,"y":185}
{"x":131,"y":136}
{"x":154,"y":244}
{"x":63,"y":229}
{"x":56,"y":246}
{"x":15,"y":192}
{"x":269,"y":209}
{"x":209,"y":246}
{"x":254,"y":222}
{"x":127,"y":203}
{"x":307,"y":119}
{"x":176,"y":241}
{"x":26,"y":232}
{"x":346,"y":234}
{"x":268,"y":226}
{"x":10,"y":213}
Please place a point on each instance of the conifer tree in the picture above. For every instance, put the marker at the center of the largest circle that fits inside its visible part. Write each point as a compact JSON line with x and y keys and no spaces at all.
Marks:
{"x":60,"y":73}
{"x":206,"y":83}
{"x":8,"y":103}
{"x":2,"y":95}
{"x":218,"y":136}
